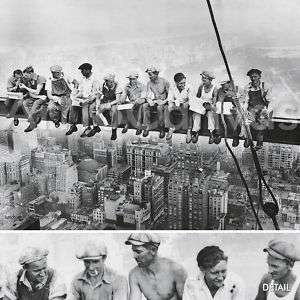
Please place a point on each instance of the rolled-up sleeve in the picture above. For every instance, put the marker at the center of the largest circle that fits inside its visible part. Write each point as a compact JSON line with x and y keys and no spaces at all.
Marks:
{"x":120,"y":288}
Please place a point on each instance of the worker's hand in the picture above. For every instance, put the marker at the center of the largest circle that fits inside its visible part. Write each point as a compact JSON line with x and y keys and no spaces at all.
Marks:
{"x":151,"y":102}
{"x":22,"y":86}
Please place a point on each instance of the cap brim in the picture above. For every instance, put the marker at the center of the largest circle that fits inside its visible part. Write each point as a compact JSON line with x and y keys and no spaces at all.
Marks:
{"x":90,"y":257}
{"x":274,"y":253}
{"x":134,"y":243}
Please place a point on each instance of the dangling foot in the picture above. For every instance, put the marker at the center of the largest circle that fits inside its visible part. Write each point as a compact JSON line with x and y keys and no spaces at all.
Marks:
{"x":16,"y":121}
{"x":72,"y":129}
{"x":125,"y":129}
{"x":113,"y":134}
{"x":93,"y":131}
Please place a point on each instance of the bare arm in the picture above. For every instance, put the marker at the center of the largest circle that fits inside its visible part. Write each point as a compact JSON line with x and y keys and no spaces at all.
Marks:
{"x":262,"y":295}
{"x":120,"y":291}
{"x":135,"y":291}
{"x":297,"y":296}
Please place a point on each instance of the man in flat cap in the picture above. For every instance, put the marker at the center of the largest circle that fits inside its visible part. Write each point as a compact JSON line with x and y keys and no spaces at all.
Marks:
{"x":228,"y":95}
{"x":280,"y":282}
{"x":13,"y":85}
{"x":59,"y":88}
{"x":155,"y":277}
{"x":206,"y":105}
{"x":178,"y":100}
{"x":111,"y":97}
{"x":135,"y":92}
{"x":33,"y":104}
{"x":157,"y":94}
{"x":97,"y":281}
{"x":36,"y":281}
{"x":258,"y":96}
{"x":88,"y":95}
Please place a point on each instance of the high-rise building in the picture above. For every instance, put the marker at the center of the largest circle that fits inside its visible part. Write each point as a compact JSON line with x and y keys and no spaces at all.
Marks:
{"x":25,"y":170}
{"x":178,"y":201}
{"x":281,"y":156}
{"x":66,"y":176}
{"x":218,"y":203}
{"x":88,"y":195}
{"x":143,"y":156}
{"x":2,"y":173}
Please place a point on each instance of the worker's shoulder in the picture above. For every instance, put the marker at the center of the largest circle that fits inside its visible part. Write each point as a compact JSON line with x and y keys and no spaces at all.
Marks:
{"x":171,"y":265}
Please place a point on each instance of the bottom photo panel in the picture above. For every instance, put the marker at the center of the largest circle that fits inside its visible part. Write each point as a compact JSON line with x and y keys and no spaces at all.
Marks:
{"x":149,"y":265}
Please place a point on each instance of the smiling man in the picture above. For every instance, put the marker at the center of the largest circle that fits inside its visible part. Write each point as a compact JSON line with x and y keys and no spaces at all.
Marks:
{"x":36,"y":281}
{"x":280,"y":282}
{"x":97,"y":281}
{"x":155,"y":277}
{"x":213,"y":282}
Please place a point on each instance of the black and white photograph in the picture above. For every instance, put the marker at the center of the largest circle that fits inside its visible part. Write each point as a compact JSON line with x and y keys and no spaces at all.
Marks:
{"x":137,"y":115}
{"x":149,"y":265}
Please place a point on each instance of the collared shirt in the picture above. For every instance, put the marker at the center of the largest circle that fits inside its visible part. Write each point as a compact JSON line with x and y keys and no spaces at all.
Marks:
{"x":89,"y":87}
{"x":158,"y":89}
{"x":49,"y":81}
{"x":179,"y":96}
{"x":110,"y":287}
{"x":196,"y":289}
{"x":57,"y":285}
{"x":11,"y":82}
{"x":134,"y":92}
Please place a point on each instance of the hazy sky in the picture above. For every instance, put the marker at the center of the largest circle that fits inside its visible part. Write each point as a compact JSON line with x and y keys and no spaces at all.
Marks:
{"x":68,"y":22}
{"x":246,"y":257}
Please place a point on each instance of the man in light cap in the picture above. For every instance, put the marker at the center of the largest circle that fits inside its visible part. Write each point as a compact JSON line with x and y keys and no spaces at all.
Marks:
{"x":59,"y":88}
{"x":111,"y":97}
{"x":155,"y":277}
{"x":205,"y":105}
{"x":135,"y":92}
{"x":34,"y":102}
{"x":97,"y":281}
{"x":280,"y":282}
{"x":157,"y":94}
{"x":36,"y":281}
{"x":258,"y":112}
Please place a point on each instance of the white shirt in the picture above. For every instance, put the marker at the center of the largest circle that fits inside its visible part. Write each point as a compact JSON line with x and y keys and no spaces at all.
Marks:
{"x":179,"y":96}
{"x":196,"y":289}
{"x":89,"y":86}
{"x":289,"y":296}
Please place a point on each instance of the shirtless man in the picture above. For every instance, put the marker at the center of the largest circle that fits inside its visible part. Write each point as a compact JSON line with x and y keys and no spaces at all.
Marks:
{"x":280,"y":282}
{"x":155,"y":277}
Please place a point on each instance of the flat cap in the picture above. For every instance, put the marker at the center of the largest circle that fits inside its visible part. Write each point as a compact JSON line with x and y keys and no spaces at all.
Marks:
{"x":152,"y":70}
{"x":132,"y":75}
{"x":56,"y":68}
{"x":92,"y":250}
{"x":28,"y":69}
{"x":224,"y":82}
{"x":142,"y":238}
{"x":254,"y":71}
{"x":283,"y":250}
{"x":207,"y":74}
{"x":85,"y":66}
{"x":32,"y":254}
{"x":109,"y":76}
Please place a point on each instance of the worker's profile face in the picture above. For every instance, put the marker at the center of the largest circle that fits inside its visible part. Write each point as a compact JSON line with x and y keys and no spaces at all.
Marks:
{"x":37,"y":271}
{"x":152,"y":75}
{"x":216,"y":275}
{"x":277,"y":268}
{"x":27,"y":75}
{"x":206,"y":80}
{"x":143,"y":255}
{"x":94,"y":267}
{"x":110,"y":83}
{"x":18,"y":76}
{"x":181,"y":84}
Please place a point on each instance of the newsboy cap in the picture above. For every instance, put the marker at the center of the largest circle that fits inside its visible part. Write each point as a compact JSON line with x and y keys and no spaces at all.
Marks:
{"x":207,"y":74}
{"x":132,"y":75}
{"x":109,"y":76}
{"x":92,"y":250}
{"x":85,"y":66}
{"x":56,"y":68}
{"x":283,"y":250}
{"x":32,"y":254}
{"x":28,"y":69}
{"x":152,"y":69}
{"x":142,"y":238}
{"x":254,"y":71}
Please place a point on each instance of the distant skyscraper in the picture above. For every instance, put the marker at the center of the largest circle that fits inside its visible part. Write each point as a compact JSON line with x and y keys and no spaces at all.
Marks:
{"x":66,"y":176}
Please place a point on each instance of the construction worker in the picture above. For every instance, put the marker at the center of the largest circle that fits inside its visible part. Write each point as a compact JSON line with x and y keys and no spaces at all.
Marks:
{"x":257,"y":110}
{"x":207,"y":94}
{"x":178,"y":100}
{"x":157,"y":94}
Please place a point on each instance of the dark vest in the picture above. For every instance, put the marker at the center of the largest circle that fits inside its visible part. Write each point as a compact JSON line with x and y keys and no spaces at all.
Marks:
{"x":42,"y":294}
{"x":32,"y":83}
{"x":109,"y":95}
{"x":257,"y":98}
{"x":60,"y":87}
